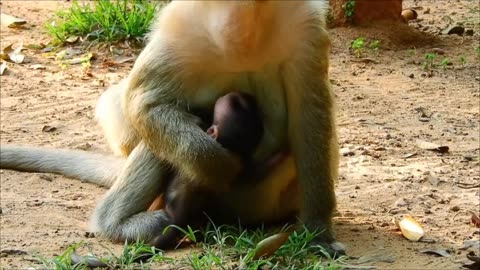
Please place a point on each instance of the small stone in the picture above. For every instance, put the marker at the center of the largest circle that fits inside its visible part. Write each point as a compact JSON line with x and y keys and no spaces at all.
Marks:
{"x":454,"y":208}
{"x":468,"y":158}
{"x":411,"y":76}
{"x":469,"y":32}
{"x":356,"y":187}
{"x":426,"y":11}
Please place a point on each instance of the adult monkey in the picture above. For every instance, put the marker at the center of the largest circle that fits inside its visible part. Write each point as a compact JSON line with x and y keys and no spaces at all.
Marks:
{"x":198,"y":51}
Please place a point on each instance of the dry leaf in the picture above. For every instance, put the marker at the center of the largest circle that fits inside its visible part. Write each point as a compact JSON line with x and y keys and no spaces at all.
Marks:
{"x":10,"y":21}
{"x":439,"y":252}
{"x":3,"y":67}
{"x":79,"y":60}
{"x":475,"y":220}
{"x":48,"y":129}
{"x":72,"y":39}
{"x":269,"y":245}
{"x":432,"y":146}
{"x":410,"y":228}
{"x":13,"y":55}
{"x":409,"y":155}
{"x":67,"y":54}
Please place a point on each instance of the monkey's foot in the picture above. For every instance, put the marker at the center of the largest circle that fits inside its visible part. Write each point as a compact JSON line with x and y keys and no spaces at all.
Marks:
{"x":333,"y":249}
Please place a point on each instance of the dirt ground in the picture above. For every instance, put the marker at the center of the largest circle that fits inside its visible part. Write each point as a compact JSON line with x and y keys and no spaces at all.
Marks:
{"x":386,"y":103}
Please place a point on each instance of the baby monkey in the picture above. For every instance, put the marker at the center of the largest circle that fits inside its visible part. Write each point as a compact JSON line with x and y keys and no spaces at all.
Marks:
{"x":237,"y":126}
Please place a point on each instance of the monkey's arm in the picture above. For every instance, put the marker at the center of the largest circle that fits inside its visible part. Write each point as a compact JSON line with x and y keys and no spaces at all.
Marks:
{"x":156,"y":104}
{"x":312,"y":133}
{"x":89,"y":167}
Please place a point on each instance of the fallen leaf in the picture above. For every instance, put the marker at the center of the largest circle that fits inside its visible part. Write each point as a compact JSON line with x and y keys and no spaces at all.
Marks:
{"x":72,"y":39}
{"x":35,"y":46}
{"x":475,"y":220}
{"x":48,"y":129}
{"x":439,"y":252}
{"x":409,"y":155}
{"x":10,"y":21}
{"x":432,"y":146}
{"x":67,"y":54}
{"x":13,"y":55}
{"x":269,"y":245}
{"x":3,"y":67}
{"x":410,"y":228}
{"x":79,"y":60}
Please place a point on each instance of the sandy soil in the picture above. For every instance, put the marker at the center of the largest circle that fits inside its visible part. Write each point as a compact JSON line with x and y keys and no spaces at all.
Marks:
{"x":384,"y":107}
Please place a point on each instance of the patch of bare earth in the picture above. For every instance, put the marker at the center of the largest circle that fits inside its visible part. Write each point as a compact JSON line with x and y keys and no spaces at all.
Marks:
{"x":384,"y":107}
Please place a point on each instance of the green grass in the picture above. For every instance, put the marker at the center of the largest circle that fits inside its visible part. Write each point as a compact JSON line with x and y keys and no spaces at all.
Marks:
{"x":429,"y":61}
{"x":360,"y":44}
{"x":104,"y":20}
{"x":223,"y":247}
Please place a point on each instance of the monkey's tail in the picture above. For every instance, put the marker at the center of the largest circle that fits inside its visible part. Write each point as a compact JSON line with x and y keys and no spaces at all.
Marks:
{"x":85,"y":166}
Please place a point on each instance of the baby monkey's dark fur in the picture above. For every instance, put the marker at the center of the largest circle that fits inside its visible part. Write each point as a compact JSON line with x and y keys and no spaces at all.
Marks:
{"x":238,"y":127}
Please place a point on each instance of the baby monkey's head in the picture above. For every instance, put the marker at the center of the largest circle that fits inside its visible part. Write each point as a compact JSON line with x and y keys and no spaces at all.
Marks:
{"x":237,"y":123}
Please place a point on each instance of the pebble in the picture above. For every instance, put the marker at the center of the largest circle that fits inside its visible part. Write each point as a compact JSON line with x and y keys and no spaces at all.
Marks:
{"x":455,"y":208}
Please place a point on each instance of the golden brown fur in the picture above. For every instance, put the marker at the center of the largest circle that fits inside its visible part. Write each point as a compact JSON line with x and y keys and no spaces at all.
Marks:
{"x":198,"y":51}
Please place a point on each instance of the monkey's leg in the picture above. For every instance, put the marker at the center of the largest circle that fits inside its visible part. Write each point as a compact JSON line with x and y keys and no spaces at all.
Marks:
{"x":313,"y":138}
{"x":119,"y":133}
{"x":122,"y":213}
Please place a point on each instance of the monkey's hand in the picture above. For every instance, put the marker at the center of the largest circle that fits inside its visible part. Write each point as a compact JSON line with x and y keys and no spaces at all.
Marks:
{"x":334,"y":249}
{"x":173,"y":135}
{"x":217,"y":171}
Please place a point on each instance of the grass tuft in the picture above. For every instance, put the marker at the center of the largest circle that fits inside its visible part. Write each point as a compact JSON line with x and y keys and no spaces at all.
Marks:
{"x":222,"y":247}
{"x":104,"y":20}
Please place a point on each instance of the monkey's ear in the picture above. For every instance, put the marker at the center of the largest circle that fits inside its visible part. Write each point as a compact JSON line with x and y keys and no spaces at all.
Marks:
{"x":212,"y":131}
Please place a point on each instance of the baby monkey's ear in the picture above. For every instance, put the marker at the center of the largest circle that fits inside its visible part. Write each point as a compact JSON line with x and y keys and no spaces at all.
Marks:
{"x":212,"y":131}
